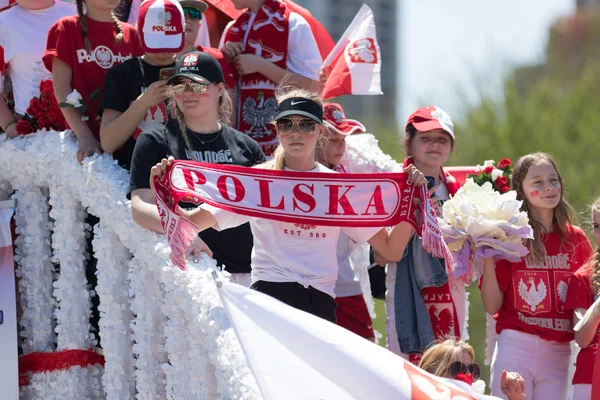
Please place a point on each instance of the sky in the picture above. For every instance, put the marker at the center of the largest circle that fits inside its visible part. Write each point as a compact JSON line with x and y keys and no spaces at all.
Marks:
{"x":451,"y":50}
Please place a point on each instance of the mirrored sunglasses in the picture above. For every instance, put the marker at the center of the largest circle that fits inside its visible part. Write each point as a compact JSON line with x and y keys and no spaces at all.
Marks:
{"x":304,"y":125}
{"x":193,"y":13}
{"x":458,"y":367}
{"x":178,"y":88}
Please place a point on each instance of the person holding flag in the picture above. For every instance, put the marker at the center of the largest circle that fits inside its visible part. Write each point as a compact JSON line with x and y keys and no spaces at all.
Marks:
{"x":268,"y":43}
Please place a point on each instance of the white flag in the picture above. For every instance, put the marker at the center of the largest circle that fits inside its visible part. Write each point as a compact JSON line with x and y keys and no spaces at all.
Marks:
{"x":297,"y":356}
{"x":354,"y":64}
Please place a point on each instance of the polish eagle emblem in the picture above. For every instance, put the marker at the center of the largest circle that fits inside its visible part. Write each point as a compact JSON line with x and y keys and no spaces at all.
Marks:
{"x":257,"y":116}
{"x":533,"y":295}
{"x":561,"y":289}
{"x":441,"y":321}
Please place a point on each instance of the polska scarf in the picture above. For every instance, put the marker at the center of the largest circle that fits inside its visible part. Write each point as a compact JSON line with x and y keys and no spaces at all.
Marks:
{"x":312,"y":198}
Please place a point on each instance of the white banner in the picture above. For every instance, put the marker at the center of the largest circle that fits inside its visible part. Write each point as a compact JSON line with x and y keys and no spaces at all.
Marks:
{"x":9,"y":363}
{"x":297,"y":356}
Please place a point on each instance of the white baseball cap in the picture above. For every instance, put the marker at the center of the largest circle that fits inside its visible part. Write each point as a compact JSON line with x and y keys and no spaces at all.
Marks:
{"x":161,"y":25}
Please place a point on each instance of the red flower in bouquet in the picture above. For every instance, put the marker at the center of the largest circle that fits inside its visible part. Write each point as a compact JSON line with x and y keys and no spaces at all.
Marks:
{"x":501,"y":184}
{"x":498,"y":175}
{"x":24,"y":127}
{"x":46,"y":88}
{"x":43,"y":112}
{"x":503,"y":163}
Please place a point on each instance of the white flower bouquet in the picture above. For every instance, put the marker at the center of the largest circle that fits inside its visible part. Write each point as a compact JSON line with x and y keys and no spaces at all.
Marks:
{"x":480,"y":222}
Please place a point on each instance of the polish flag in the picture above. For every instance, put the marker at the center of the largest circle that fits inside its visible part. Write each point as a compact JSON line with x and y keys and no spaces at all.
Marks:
{"x":296,"y":356}
{"x":354,"y":64}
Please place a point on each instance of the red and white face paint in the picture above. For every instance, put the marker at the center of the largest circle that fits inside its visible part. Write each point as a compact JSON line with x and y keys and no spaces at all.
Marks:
{"x":542,"y":186}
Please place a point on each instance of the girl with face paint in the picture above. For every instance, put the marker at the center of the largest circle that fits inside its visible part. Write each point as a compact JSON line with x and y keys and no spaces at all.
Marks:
{"x":528,"y":297}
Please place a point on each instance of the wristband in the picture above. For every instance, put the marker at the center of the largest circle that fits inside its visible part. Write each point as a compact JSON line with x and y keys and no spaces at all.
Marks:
{"x":11,"y":123}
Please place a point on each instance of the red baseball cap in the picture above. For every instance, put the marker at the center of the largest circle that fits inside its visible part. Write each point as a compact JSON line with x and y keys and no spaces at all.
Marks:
{"x":335,"y":119}
{"x":161,"y":25}
{"x":429,"y":118}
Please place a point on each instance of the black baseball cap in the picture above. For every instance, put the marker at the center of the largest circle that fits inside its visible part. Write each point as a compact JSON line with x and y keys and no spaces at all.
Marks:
{"x":300,"y":106}
{"x":198,"y":66}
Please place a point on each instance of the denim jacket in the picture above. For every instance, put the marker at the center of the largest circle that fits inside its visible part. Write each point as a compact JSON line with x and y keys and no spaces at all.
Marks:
{"x":417,"y":270}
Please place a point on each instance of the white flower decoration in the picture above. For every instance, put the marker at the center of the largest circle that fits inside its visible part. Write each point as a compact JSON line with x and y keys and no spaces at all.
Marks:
{"x":488,"y":163}
{"x":479,"y":386}
{"x":75,"y":99}
{"x":496,"y":173}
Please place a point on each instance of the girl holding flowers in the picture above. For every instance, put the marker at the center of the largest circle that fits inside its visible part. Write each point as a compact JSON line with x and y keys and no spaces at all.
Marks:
{"x":423,"y":305}
{"x":527,"y":298}
{"x":584,"y":287}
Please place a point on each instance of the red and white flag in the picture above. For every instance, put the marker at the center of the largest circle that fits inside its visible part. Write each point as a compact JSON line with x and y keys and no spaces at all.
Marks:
{"x":295,"y":356}
{"x":354,"y":64}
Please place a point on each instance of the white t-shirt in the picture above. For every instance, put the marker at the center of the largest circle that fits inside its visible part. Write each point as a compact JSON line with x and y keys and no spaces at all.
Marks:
{"x":303,"y":56}
{"x":23,"y":36}
{"x":286,"y":252}
{"x":347,"y":283}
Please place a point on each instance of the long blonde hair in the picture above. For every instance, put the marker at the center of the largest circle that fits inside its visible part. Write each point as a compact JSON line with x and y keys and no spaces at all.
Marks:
{"x":437,"y":359}
{"x":594,"y":263}
{"x":563,"y":212}
{"x":224,"y":115}
{"x":278,"y":161}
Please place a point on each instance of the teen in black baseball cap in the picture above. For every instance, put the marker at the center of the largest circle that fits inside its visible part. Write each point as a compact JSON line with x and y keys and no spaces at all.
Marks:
{"x":198,"y":66}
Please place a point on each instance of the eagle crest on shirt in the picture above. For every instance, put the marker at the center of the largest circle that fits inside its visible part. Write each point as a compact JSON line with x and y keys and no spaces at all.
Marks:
{"x":258,"y":115}
{"x":561,"y":289}
{"x":441,"y":321}
{"x":532,"y":295}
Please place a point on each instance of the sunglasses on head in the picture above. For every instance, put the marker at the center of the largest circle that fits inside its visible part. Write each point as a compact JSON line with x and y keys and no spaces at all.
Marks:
{"x":178,"y":87}
{"x":304,"y":125}
{"x":193,"y":13}
{"x":457,"y":367}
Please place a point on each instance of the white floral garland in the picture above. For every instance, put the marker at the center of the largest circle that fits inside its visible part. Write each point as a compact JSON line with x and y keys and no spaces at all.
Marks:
{"x":35,"y":274}
{"x":74,"y":383}
{"x":71,"y":288}
{"x":115,"y":313}
{"x":180,"y":328}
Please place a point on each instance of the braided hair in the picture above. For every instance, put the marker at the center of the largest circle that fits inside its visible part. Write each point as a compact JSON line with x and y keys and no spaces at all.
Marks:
{"x":84,"y":27}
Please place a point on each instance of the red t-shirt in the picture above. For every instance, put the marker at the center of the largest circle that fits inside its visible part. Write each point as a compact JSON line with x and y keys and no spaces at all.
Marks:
{"x":65,"y":41}
{"x":535,"y":293}
{"x":580,"y":295}
{"x":227,"y":72}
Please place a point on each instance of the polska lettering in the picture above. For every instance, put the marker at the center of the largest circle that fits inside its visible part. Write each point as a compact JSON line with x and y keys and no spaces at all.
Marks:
{"x":557,"y":324}
{"x":165,"y":28}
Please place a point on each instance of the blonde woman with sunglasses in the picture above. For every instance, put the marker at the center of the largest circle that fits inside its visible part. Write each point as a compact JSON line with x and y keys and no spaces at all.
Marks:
{"x":297,"y":263}
{"x":198,"y":132}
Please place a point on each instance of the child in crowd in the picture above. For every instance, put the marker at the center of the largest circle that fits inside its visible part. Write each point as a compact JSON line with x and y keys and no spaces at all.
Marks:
{"x":454,"y":359}
{"x":351,"y":312}
{"x":193,"y":11}
{"x":266,"y":43}
{"x":584,"y":287}
{"x":79,"y":51}
{"x":198,"y":132}
{"x":300,"y":270}
{"x":23,"y":32}
{"x":527,"y":298}
{"x":134,"y":91}
{"x":424,"y":304}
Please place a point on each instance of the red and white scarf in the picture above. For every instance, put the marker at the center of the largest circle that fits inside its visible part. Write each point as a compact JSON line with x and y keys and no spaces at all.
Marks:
{"x":267,"y":37}
{"x":312,"y":198}
{"x":438,"y":300}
